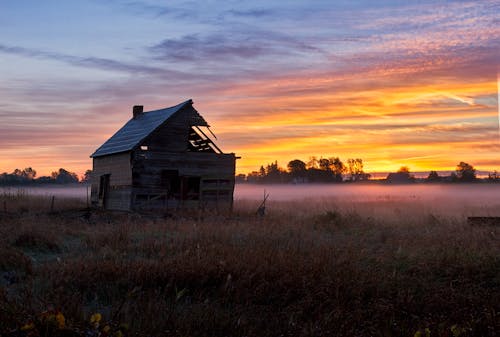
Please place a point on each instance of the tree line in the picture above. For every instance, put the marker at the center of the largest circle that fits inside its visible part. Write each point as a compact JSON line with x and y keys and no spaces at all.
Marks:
{"x":316,"y":170}
{"x":28,"y":176}
{"x":464,"y":172}
{"x":333,"y":170}
{"x":322,"y":170}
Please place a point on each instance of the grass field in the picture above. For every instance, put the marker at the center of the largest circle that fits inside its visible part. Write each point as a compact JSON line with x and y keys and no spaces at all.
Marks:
{"x":316,"y":267}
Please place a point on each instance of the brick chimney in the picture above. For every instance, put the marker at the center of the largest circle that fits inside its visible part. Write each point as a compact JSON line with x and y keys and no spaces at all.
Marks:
{"x":137,"y":111}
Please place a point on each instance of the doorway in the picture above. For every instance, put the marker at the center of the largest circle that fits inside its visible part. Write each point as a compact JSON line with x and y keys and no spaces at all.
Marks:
{"x":104,"y":190}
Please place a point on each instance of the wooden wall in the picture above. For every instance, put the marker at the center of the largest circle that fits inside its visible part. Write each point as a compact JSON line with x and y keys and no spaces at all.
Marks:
{"x":173,"y":135}
{"x":120,"y":180}
{"x":216,"y":173}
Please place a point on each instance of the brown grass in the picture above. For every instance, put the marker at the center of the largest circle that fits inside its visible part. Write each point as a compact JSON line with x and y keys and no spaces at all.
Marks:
{"x":306,"y":269}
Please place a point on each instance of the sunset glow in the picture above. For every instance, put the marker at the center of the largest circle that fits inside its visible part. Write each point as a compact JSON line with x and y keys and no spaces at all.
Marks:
{"x":394,"y":84}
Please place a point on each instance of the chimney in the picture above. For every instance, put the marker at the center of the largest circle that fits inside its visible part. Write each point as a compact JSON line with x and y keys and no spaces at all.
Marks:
{"x":137,"y":111}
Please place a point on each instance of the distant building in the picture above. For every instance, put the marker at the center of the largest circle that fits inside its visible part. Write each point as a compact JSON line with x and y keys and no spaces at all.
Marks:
{"x":161,"y":160}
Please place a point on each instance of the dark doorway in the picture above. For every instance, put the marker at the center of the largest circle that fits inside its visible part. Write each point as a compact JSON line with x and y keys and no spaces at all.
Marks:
{"x":180,"y":187}
{"x":104,"y":190}
{"x":191,"y":188}
{"x":171,"y":182}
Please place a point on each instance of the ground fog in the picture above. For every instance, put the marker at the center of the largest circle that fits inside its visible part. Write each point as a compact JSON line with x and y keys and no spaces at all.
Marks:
{"x":375,"y":200}
{"x":458,"y":201}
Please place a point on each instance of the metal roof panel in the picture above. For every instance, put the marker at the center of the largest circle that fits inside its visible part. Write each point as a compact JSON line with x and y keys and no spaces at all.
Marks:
{"x":136,"y":129}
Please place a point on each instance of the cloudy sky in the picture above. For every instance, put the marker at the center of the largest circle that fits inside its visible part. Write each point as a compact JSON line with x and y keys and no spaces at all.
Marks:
{"x":392,"y":82}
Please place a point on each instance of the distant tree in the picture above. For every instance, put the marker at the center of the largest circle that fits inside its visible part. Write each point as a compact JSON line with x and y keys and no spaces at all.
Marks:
{"x":465,"y":172}
{"x":272,"y":169}
{"x":325,"y":164}
{"x":17,"y":172}
{"x":240,"y":178}
{"x":297,"y":170}
{"x":262,"y":171}
{"x":87,"y":177}
{"x":355,"y":169}
{"x":433,"y":177}
{"x":330,"y":169}
{"x":28,"y":173}
{"x":312,"y":163}
{"x":296,"y":167}
{"x":493,"y":176}
{"x":338,"y":168}
{"x":64,"y":177}
{"x":45,"y":180}
{"x":274,"y":173}
{"x":315,"y":175}
{"x":18,"y":177}
{"x":253,"y":177}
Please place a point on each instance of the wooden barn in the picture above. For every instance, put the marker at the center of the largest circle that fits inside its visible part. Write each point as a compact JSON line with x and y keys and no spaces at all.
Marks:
{"x":163,"y":160}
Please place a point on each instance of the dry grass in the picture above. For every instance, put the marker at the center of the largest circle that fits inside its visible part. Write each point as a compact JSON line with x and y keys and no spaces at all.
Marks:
{"x":316,"y":268}
{"x":18,"y":201}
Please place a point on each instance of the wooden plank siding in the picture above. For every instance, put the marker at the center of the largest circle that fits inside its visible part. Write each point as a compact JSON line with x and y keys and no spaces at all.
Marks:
{"x":117,"y":166}
{"x":173,"y":135}
{"x":215,"y":173}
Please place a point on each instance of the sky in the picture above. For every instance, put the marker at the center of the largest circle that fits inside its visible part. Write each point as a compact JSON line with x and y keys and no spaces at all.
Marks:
{"x":395,"y":83}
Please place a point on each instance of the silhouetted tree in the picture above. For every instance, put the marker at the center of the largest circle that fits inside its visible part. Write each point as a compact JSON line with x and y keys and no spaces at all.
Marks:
{"x":324,"y":164}
{"x":254,"y":177}
{"x":274,"y":173}
{"x":433,"y":177}
{"x":28,"y":173}
{"x":18,"y":177}
{"x":465,"y":172}
{"x":338,"y":168}
{"x":317,"y":170}
{"x":297,"y":170}
{"x":296,"y":167}
{"x":64,"y":177}
{"x":355,"y":169}
{"x":493,"y":177}
{"x":262,"y":171}
{"x":312,"y":163}
{"x":87,"y":176}
{"x":45,"y":180}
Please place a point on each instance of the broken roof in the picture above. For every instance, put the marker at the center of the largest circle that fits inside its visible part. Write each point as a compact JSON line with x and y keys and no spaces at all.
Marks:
{"x":136,"y":129}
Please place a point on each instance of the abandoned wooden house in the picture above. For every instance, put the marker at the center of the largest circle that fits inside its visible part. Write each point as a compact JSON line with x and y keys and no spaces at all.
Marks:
{"x":161,"y":160}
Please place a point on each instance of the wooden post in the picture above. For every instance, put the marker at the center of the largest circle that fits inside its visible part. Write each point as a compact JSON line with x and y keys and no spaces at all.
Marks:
{"x":52,"y":204}
{"x":88,"y":205}
{"x":262,"y":208}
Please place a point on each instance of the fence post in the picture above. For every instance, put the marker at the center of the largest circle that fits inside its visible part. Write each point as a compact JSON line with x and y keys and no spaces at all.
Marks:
{"x":52,"y":204}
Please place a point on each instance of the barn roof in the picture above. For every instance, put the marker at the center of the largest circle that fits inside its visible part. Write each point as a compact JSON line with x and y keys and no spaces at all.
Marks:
{"x":136,"y":129}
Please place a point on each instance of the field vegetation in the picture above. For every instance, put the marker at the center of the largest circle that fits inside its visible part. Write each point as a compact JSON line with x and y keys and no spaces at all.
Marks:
{"x":317,"y":267}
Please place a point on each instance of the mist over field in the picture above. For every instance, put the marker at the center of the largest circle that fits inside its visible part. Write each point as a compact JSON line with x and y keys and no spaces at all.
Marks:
{"x":65,"y":191}
{"x":380,"y":200}
{"x":363,"y":192}
{"x":375,"y":200}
